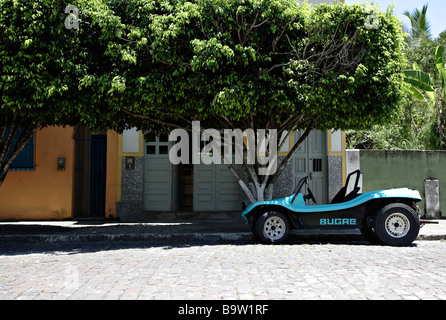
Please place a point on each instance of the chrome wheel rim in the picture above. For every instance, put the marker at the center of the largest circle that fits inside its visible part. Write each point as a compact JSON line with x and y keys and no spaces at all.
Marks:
{"x":274,"y":228}
{"x":397,"y":225}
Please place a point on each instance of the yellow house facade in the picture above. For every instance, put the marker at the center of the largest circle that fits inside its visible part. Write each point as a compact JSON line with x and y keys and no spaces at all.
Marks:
{"x":64,"y":170}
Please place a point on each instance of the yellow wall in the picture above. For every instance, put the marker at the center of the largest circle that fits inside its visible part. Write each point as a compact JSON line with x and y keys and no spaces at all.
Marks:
{"x":341,"y":153}
{"x":45,"y":192}
{"x":112,"y":174}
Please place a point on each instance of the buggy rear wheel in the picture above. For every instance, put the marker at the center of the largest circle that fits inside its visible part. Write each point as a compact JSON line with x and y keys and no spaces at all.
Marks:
{"x":272,"y":227}
{"x":396,"y":224}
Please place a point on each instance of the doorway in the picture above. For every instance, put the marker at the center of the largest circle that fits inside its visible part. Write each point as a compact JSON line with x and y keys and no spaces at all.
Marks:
{"x":193,"y":187}
{"x":90,"y":170}
{"x":311,"y":160}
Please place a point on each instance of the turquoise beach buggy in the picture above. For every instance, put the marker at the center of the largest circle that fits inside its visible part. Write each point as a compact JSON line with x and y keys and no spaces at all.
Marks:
{"x":388,"y":217}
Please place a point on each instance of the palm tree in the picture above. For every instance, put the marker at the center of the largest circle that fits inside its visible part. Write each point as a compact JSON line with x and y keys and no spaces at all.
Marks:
{"x":420,"y":27}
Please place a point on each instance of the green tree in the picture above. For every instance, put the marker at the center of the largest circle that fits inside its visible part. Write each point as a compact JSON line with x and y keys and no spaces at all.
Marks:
{"x":35,"y":67}
{"x":42,"y":66}
{"x":415,"y":127}
{"x":159,"y":64}
{"x":258,"y":64}
{"x":423,"y":86}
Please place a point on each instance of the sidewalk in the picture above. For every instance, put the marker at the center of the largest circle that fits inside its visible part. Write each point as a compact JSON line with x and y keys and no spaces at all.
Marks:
{"x":174,"y":230}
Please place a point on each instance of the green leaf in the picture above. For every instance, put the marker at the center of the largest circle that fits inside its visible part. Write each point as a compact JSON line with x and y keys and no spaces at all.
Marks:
{"x":419,"y":79}
{"x":440,"y":65}
{"x":417,"y":94}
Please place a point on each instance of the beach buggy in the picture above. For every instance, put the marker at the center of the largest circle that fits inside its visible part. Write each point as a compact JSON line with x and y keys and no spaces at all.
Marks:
{"x":388,"y":217}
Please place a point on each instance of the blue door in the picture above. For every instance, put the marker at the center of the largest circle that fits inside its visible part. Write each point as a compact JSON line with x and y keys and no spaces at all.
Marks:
{"x":90,"y":169}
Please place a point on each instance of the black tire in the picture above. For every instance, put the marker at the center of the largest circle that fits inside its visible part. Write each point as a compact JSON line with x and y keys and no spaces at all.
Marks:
{"x":396,"y":224}
{"x":252,"y":226}
{"x":370,"y":235}
{"x":272,"y":227}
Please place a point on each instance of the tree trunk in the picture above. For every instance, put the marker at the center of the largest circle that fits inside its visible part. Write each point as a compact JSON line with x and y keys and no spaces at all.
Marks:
{"x":439,"y":109}
{"x":8,"y":150}
{"x":260,"y":188}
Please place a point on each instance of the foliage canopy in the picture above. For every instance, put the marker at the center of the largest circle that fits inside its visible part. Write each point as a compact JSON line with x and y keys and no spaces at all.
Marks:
{"x":259,"y":59}
{"x":159,"y":64}
{"x":258,"y":64}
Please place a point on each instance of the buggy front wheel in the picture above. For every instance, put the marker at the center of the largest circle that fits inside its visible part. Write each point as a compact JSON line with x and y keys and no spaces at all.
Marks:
{"x":396,"y":224}
{"x":272,"y":227}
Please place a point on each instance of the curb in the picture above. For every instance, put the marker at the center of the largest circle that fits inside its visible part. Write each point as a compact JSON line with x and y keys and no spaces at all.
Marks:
{"x":431,"y":237}
{"x":206,"y":231}
{"x":186,"y":237}
{"x":209,"y":237}
{"x":51,"y":238}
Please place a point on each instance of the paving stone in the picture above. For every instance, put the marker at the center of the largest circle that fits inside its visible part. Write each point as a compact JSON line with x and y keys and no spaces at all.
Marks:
{"x":203,"y":270}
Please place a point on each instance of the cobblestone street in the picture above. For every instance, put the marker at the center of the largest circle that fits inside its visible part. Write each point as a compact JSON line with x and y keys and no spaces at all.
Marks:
{"x":169,"y":270}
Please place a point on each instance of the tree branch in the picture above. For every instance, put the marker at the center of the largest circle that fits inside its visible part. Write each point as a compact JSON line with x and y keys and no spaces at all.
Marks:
{"x":288,"y":158}
{"x":168,"y":124}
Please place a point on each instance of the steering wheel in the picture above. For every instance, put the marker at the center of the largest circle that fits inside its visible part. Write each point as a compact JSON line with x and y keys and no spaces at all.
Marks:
{"x":310,"y":195}
{"x":300,"y":184}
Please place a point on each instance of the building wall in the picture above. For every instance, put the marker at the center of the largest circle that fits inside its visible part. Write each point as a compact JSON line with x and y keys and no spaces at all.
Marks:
{"x":112,"y":174}
{"x":130,"y":179}
{"x":382,"y":169}
{"x":46,"y":193}
{"x":337,"y":164}
{"x":131,"y":173}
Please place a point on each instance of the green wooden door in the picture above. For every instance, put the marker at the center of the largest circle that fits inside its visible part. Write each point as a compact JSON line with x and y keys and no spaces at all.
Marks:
{"x":158,"y":173}
{"x":311,"y":160}
{"x":216,"y":189}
